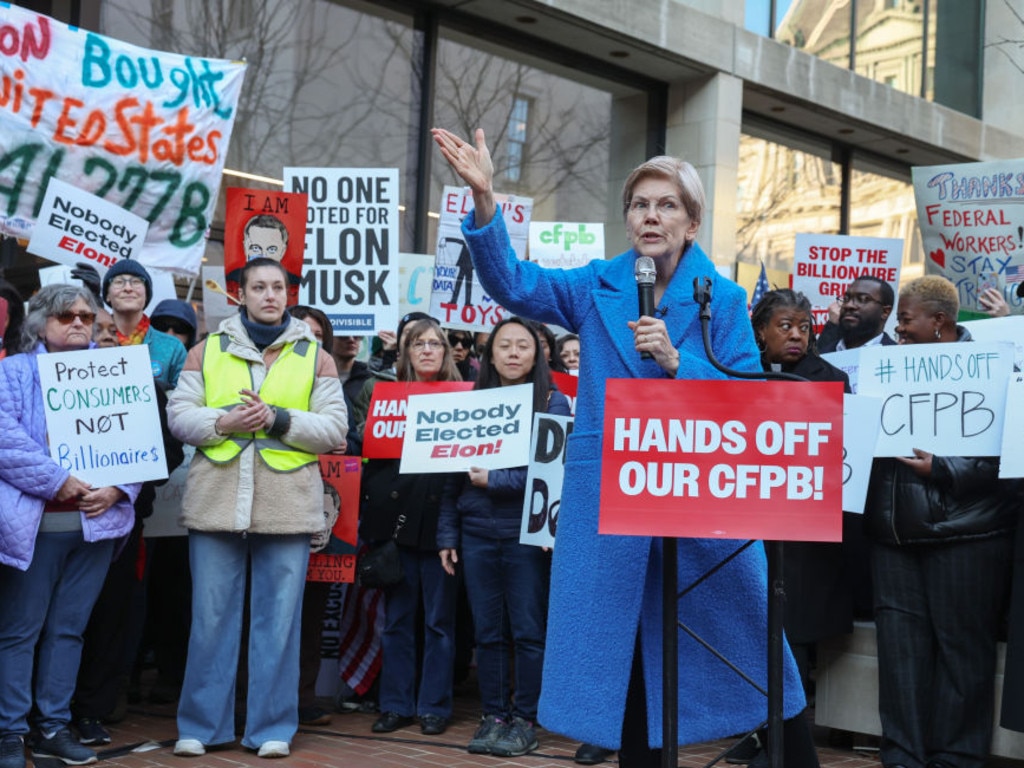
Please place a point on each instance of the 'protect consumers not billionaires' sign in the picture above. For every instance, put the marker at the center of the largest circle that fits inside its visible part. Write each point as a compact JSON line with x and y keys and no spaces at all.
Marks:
{"x":101,"y":414}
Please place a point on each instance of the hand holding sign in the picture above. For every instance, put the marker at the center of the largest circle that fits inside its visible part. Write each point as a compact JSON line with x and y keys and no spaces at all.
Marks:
{"x":920,"y":462}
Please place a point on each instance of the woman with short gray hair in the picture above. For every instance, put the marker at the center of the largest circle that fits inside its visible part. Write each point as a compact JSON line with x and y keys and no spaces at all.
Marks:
{"x":57,"y":538}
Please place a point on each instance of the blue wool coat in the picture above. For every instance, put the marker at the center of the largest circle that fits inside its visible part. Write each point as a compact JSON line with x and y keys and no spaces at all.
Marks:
{"x":604,"y":588}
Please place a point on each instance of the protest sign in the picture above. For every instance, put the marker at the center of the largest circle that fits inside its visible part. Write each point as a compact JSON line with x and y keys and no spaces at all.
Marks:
{"x":567,"y":384}
{"x":101,"y":414}
{"x":825,"y":265}
{"x":565,"y":245}
{"x":860,"y":433}
{"x":350,"y":269}
{"x":75,"y":226}
{"x":451,"y":432}
{"x":337,"y":562}
{"x":1011,"y":458}
{"x":144,"y":129}
{"x":935,"y":396}
{"x":264,"y":224}
{"x":457,"y":299}
{"x":723,"y":459}
{"x":167,"y":501}
{"x":848,"y":361}
{"x":415,"y":275}
{"x":1010,"y":328}
{"x":384,"y":432}
{"x":544,"y":479}
{"x":971,"y":226}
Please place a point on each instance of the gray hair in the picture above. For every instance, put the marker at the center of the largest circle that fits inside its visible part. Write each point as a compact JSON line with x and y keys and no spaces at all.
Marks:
{"x":681,"y":173}
{"x":50,"y":300}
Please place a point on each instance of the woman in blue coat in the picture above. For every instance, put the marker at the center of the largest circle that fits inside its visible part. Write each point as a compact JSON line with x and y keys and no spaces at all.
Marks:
{"x":604,"y":622}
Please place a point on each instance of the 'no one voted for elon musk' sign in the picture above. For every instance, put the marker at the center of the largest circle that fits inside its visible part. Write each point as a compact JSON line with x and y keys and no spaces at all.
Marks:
{"x":723,"y":459}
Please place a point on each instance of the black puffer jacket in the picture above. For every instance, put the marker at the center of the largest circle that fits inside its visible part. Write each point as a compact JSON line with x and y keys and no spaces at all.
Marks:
{"x":962,"y":499}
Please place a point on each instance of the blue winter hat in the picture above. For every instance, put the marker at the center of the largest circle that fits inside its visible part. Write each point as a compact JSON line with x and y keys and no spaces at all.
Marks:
{"x":128,"y":267}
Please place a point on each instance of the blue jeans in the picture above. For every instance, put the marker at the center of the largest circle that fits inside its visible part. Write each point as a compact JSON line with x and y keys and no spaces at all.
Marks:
{"x":504,"y":577}
{"x":219,"y":561}
{"x":43,"y":616}
{"x":423,"y":575}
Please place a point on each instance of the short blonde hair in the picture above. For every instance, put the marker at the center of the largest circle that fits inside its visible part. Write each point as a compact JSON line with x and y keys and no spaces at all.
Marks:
{"x":936,"y":291}
{"x":681,"y":173}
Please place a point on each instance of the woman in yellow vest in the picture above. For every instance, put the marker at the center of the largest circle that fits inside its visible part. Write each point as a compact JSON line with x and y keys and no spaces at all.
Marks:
{"x":259,"y":399}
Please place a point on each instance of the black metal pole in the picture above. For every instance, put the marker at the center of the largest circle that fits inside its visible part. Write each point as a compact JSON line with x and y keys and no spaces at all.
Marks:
{"x":670,"y":655}
{"x":776,"y":598}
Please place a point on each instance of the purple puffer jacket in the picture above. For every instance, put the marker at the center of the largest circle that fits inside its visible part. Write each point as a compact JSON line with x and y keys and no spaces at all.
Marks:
{"x":28,"y":476}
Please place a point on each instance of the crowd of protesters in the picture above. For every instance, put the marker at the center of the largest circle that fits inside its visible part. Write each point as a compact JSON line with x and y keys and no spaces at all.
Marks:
{"x":260,"y":397}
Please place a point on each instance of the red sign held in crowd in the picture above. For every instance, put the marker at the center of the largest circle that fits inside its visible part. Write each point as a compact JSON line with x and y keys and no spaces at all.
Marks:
{"x":385,"y":420}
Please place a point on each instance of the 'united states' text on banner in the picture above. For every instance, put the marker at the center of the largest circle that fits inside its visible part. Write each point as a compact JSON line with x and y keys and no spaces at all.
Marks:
{"x":146,"y":130}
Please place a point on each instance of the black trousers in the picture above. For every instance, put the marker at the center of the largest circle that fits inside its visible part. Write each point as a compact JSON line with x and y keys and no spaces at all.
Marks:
{"x":937,"y":613}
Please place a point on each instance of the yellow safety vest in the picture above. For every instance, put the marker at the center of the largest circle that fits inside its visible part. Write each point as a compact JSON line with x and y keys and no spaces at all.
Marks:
{"x":288,"y":384}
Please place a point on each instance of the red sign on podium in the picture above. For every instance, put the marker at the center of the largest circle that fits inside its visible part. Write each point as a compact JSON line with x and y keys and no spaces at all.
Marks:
{"x":723,"y":459}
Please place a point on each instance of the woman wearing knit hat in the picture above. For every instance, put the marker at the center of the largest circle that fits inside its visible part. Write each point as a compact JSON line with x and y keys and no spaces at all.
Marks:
{"x":128,"y":288}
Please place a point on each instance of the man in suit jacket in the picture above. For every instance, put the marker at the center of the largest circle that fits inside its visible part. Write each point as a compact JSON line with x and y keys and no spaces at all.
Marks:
{"x":864,"y":308}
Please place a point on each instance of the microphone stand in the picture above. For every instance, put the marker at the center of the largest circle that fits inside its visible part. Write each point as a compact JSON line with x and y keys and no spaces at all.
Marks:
{"x":670,"y":606}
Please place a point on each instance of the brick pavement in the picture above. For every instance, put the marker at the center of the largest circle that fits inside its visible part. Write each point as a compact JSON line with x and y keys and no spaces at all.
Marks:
{"x":149,"y":731}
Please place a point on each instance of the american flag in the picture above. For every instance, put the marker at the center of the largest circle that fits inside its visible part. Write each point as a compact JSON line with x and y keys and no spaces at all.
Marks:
{"x":762,"y":287}
{"x":1015,"y":274}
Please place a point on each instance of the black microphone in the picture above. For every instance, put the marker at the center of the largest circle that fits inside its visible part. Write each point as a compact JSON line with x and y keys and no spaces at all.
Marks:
{"x":645,"y":274}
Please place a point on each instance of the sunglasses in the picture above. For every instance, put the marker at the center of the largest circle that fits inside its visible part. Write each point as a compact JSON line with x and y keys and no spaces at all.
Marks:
{"x":458,"y":341}
{"x":67,"y":318}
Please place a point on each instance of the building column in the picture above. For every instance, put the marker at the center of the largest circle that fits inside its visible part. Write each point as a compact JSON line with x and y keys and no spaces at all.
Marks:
{"x":704,"y":119}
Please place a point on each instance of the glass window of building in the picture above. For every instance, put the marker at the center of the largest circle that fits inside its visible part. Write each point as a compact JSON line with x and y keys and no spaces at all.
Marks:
{"x":882,"y":205}
{"x":786,"y":185}
{"x":517,"y":124}
{"x":565,"y":138}
{"x":327,"y":84}
{"x":920,"y":47}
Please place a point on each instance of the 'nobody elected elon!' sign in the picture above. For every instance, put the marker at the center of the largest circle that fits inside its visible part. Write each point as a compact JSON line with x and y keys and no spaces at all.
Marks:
{"x":723,"y":459}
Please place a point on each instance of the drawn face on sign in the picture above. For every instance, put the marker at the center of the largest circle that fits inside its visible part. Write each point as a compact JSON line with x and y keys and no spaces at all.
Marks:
{"x":265,"y":236}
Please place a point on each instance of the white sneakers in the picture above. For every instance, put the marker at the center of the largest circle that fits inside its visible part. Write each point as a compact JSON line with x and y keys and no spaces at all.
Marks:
{"x":274,"y":749}
{"x":195,"y":748}
{"x":189,"y":748}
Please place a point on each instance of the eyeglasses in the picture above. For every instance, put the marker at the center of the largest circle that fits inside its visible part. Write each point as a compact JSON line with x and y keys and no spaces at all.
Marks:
{"x":858,"y":299}
{"x":430,"y":344}
{"x":67,"y":318}
{"x":458,"y":341}
{"x":123,"y":282}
